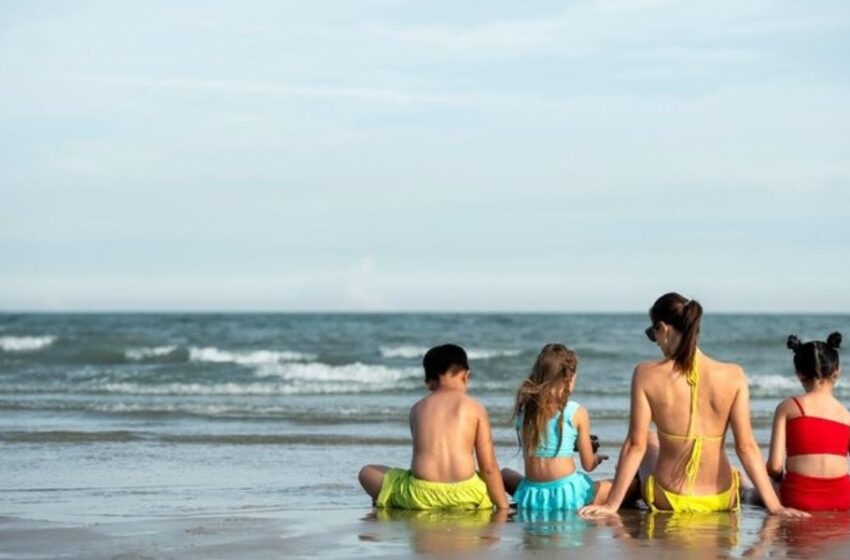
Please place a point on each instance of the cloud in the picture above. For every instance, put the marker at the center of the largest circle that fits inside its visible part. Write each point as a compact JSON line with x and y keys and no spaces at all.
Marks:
{"x":494,"y":35}
{"x":359,"y":283}
{"x":246,"y":87}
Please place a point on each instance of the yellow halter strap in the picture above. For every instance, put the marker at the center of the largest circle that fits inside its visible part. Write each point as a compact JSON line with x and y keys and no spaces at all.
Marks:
{"x":692,"y":377}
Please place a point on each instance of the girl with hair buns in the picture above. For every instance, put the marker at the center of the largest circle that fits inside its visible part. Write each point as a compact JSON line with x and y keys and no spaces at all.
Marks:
{"x":551,"y":427}
{"x":692,"y":399}
{"x":811,"y":433}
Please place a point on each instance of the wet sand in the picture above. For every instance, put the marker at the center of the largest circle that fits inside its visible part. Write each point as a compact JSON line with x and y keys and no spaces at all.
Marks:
{"x":359,"y":532}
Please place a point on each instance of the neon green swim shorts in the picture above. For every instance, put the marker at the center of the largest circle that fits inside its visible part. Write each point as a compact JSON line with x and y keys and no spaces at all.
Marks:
{"x":400,"y":489}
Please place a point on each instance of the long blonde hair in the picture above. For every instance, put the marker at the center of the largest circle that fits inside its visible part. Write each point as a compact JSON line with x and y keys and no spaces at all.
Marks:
{"x":546,"y":390}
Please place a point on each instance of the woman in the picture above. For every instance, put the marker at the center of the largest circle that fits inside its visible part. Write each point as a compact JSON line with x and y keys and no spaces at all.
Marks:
{"x":811,"y":433}
{"x":692,"y":399}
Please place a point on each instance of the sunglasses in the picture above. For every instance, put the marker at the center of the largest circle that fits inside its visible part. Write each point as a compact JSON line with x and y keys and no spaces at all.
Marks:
{"x":650,"y":332}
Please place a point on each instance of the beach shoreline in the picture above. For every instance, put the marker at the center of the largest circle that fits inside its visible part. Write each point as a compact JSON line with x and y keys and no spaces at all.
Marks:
{"x":358,"y":532}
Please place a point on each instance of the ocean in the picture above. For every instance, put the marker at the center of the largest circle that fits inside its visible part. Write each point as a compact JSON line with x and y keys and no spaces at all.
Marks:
{"x":123,"y":416}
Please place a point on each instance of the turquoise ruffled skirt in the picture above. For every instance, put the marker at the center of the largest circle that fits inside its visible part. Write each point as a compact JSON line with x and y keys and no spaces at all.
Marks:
{"x":569,"y":493}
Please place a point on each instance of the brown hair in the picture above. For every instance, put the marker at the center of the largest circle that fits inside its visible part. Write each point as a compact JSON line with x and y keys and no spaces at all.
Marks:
{"x":538,"y":397}
{"x":683,"y":315}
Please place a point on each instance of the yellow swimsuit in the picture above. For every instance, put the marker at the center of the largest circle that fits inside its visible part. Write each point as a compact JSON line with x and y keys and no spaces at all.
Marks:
{"x":688,"y":502}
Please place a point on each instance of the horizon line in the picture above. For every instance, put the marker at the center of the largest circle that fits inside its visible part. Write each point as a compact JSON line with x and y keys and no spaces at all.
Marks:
{"x":382,"y":312}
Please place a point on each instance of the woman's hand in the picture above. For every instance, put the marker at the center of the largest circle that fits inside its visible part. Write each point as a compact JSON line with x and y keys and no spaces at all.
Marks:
{"x":783,"y":511}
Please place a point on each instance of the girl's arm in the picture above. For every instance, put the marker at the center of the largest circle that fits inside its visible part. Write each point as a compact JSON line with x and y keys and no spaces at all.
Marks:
{"x":776,"y":458}
{"x":750,"y":454}
{"x":589,"y":459}
{"x":631,"y":454}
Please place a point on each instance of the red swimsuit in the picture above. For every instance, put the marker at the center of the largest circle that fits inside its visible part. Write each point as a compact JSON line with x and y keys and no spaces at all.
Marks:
{"x":806,"y":435}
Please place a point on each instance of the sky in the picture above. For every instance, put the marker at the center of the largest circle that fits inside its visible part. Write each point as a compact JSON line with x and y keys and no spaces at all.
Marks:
{"x":424,"y":155}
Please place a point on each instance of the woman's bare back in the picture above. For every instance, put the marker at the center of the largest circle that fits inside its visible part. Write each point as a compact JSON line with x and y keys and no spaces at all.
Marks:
{"x":669,"y":397}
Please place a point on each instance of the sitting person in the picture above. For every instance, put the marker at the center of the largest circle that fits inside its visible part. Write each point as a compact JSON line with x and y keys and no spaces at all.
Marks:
{"x":693,"y":401}
{"x":550,"y":427}
{"x":813,"y":431}
{"x":451,"y":430}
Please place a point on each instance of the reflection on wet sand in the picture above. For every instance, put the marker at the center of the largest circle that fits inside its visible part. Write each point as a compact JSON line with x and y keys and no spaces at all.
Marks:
{"x":553,"y":529}
{"x":631,"y":534}
{"x":440,"y":531}
{"x":801,"y":537}
{"x":714,"y":534}
{"x":719,"y":531}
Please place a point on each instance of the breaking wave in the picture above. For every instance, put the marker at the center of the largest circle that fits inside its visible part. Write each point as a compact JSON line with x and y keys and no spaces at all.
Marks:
{"x":25,"y":343}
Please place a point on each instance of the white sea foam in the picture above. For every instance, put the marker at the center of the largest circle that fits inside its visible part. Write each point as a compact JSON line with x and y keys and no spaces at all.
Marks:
{"x":150,"y":352}
{"x":774,"y":382}
{"x":408,"y":351}
{"x":25,"y":343}
{"x":786,"y":385}
{"x":484,"y":354}
{"x":239,"y":389}
{"x":246,"y":357}
{"x":403,"y":351}
{"x":356,"y":373}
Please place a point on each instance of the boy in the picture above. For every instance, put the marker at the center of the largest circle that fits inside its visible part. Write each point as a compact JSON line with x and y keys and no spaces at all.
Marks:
{"x":450,"y":431}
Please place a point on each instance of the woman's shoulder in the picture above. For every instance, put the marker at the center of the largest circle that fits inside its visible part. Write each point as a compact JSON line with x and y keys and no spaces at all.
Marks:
{"x":731,"y":370}
{"x":644,"y":368}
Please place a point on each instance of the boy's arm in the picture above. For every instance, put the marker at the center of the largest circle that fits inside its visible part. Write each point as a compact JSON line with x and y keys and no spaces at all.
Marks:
{"x":487,"y":464}
{"x":589,"y":459}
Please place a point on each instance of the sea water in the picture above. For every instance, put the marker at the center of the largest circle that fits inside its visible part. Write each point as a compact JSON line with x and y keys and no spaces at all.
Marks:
{"x":106,"y":416}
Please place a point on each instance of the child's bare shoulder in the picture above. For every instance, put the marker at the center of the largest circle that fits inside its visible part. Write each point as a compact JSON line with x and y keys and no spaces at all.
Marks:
{"x":474,"y":406}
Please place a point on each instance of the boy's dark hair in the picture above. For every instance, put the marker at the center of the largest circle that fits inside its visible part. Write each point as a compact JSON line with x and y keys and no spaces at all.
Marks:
{"x":448,"y":358}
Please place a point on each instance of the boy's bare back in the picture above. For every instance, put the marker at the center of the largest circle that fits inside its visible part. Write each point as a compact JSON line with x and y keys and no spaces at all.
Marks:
{"x":445,"y":426}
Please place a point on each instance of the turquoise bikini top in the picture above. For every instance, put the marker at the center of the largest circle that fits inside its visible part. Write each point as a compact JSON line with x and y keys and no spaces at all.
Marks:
{"x":549,"y":448}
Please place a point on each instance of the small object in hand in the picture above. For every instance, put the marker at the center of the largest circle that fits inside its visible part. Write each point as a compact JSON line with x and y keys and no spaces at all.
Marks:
{"x":594,"y":442}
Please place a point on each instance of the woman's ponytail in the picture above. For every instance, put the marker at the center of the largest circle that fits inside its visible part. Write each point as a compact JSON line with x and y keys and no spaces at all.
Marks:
{"x":683,"y":315}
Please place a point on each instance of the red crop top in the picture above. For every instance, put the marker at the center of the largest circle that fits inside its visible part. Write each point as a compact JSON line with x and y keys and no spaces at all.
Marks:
{"x":806,"y":435}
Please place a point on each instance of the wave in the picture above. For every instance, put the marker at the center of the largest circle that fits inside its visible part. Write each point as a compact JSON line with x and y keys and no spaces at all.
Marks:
{"x":324,"y":440}
{"x":240,"y":389}
{"x":774,"y":382}
{"x":25,"y":343}
{"x":403,"y":351}
{"x":232,"y":410}
{"x":357,"y":372}
{"x":212,"y":354}
{"x":407,"y":351}
{"x":139,"y":354}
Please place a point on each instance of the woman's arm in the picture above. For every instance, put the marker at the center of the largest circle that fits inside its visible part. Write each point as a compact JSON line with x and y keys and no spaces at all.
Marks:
{"x":776,"y":458}
{"x":589,"y":459}
{"x":631,"y":454}
{"x":750,"y":454}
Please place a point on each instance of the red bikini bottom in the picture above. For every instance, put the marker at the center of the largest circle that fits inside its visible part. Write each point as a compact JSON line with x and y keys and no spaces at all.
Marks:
{"x":815,"y":494}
